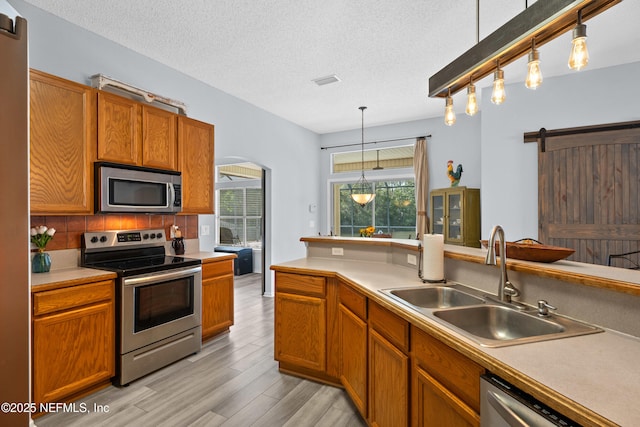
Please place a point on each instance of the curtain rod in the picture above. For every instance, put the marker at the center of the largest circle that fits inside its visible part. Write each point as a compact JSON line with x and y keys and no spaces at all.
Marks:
{"x":375,"y":142}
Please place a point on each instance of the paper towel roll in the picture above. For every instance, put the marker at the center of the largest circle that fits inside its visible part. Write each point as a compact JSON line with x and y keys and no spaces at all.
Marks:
{"x":433,"y":257}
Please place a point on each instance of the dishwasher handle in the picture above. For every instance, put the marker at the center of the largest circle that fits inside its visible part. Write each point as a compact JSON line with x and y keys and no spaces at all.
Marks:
{"x":507,"y":413}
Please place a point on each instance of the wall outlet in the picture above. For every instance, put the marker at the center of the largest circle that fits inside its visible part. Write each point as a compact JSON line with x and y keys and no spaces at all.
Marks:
{"x":337,"y":251}
{"x":412,"y":259}
{"x":204,"y":230}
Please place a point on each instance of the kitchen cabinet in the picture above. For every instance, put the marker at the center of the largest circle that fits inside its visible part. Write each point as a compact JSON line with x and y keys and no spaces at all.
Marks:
{"x":195,"y":153}
{"x":388,"y":368}
{"x":134,"y":133}
{"x":306,"y":326}
{"x":353,"y":345}
{"x":445,"y":384}
{"x":217,"y":297}
{"x":62,"y":145}
{"x":73,"y":340}
{"x":455,"y":213}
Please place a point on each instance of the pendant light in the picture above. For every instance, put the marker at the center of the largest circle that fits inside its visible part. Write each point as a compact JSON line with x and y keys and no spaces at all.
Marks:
{"x":362,"y":192}
{"x":449,"y":114}
{"x":534,"y":75}
{"x":498,"y":95}
{"x":579,"y":57}
{"x":472,"y":100}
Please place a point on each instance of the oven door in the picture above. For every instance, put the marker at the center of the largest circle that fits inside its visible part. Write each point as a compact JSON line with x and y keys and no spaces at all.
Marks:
{"x":159,"y":305}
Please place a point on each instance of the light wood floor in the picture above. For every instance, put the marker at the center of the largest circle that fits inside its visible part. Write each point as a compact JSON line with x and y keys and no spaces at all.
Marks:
{"x":233,"y":381}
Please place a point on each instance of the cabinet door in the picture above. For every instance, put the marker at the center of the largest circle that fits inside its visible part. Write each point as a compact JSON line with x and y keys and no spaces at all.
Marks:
{"x":437,"y":213}
{"x":353,"y":360}
{"x":300,"y":331}
{"x":159,"y":138}
{"x":388,"y":383}
{"x":217,"y":305}
{"x":119,"y":137}
{"x":454,"y":217}
{"x":72,"y":351}
{"x":437,"y":406}
{"x":195,"y":146}
{"x":62,"y":125}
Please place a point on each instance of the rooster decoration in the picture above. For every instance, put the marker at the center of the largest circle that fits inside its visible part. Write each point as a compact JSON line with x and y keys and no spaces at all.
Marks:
{"x":454,"y":177}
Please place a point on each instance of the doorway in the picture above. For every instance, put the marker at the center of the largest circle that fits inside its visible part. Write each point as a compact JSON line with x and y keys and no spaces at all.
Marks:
{"x":241,"y":218}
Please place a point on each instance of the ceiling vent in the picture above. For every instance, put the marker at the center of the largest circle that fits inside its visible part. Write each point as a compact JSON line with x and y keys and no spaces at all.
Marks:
{"x":321,"y":81}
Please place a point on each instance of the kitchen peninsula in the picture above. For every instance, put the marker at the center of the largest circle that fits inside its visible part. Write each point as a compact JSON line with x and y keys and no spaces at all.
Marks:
{"x":592,"y":379}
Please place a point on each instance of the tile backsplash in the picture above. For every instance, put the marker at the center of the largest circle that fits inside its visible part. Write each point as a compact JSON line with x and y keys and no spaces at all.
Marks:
{"x":69,"y":229}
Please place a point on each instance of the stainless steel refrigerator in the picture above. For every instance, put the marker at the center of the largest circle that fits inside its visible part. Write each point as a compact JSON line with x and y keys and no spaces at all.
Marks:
{"x":14,"y":219}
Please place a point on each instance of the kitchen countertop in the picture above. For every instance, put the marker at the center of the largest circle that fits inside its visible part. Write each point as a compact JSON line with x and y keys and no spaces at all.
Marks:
{"x":72,"y":276}
{"x":593,"y":379}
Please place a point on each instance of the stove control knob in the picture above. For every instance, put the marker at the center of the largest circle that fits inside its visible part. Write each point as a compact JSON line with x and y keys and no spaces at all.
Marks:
{"x":145,"y":236}
{"x":103,"y":239}
{"x":153,"y":235}
{"x":159,"y":235}
{"x":94,"y":239}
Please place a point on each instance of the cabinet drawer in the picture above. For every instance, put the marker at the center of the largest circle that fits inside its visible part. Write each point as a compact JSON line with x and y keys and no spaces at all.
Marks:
{"x":217,"y":269}
{"x":73,"y":296}
{"x":353,"y":300}
{"x":453,"y":370}
{"x":389,"y":325}
{"x":301,"y":284}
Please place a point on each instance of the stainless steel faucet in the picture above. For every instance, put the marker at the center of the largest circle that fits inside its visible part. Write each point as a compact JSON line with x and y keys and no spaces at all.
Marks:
{"x":506,"y":290}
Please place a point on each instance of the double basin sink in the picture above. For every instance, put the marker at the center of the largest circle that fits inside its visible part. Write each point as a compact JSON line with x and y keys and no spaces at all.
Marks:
{"x":483,"y":320}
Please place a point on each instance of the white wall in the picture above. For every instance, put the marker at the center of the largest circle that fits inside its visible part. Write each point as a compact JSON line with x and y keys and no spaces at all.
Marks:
{"x":460,"y":143}
{"x":510,"y":167}
{"x":242,"y":131}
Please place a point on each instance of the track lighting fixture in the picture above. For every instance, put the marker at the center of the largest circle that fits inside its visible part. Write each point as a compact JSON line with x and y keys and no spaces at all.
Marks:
{"x":498,"y":95}
{"x":534,"y":75}
{"x":449,"y":114}
{"x":579,"y":57}
{"x":472,"y":101}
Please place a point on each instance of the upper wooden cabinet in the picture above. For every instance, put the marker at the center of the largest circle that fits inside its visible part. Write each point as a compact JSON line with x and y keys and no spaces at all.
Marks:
{"x":63,"y":131}
{"x":455,"y":213}
{"x":195,"y":153}
{"x":136,"y":134}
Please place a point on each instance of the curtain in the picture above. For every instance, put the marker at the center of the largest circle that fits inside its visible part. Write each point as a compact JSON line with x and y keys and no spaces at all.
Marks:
{"x":422,"y":187}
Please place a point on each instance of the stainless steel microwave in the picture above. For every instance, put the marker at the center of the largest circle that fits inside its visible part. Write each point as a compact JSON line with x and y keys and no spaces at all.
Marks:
{"x":134,"y":189}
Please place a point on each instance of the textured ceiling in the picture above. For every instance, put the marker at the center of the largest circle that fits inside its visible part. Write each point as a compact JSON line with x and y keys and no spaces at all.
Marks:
{"x":383,"y":51}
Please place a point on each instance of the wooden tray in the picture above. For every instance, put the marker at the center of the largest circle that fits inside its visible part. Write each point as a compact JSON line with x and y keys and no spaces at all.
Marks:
{"x":533,"y":251}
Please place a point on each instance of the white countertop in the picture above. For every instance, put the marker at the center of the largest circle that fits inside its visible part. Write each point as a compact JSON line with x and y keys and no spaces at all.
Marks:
{"x":598,"y":371}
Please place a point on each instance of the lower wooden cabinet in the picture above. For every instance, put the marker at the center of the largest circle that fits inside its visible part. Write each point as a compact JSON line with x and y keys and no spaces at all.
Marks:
{"x":217,"y":297}
{"x":388,"y":368}
{"x":353,"y":346}
{"x":73,"y":341}
{"x":446,"y":384}
{"x":301,"y":321}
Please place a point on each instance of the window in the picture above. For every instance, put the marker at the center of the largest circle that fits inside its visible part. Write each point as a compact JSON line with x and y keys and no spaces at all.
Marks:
{"x":393,"y":211}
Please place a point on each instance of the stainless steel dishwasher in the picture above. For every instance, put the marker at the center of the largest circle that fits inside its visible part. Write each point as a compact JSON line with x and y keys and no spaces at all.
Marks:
{"x":503,"y":405}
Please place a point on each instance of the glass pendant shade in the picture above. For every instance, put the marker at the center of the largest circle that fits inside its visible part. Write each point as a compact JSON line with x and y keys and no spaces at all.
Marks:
{"x":498,"y":95}
{"x":579,"y":57}
{"x":472,"y":100}
{"x":449,"y":114}
{"x":362,"y":192}
{"x":534,"y":75}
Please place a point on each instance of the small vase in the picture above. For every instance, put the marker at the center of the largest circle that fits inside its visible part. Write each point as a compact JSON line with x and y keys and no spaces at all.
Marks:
{"x":41,"y":262}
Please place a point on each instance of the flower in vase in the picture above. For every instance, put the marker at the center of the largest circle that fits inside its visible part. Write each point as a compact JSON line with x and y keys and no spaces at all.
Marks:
{"x":367,"y":232}
{"x":41,"y":235}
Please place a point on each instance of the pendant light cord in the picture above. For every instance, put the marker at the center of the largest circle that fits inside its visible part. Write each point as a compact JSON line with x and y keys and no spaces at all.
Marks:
{"x":362,"y":150}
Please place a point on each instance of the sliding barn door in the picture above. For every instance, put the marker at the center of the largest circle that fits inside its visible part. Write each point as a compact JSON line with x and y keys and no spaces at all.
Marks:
{"x":589,"y":191}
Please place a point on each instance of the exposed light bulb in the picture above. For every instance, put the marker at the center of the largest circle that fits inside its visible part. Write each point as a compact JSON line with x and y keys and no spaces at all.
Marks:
{"x":449,"y":114}
{"x":498,"y":95}
{"x":579,"y":57}
{"x":534,"y":75}
{"x":472,"y":101}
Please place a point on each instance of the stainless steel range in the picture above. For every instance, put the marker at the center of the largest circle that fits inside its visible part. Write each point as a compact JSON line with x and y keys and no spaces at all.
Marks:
{"x":158,"y":299}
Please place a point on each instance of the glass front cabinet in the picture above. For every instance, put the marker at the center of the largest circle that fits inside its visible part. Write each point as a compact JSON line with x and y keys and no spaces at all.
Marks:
{"x":455,"y":213}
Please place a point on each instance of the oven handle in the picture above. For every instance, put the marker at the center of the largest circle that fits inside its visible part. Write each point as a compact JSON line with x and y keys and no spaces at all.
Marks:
{"x":161,"y":276}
